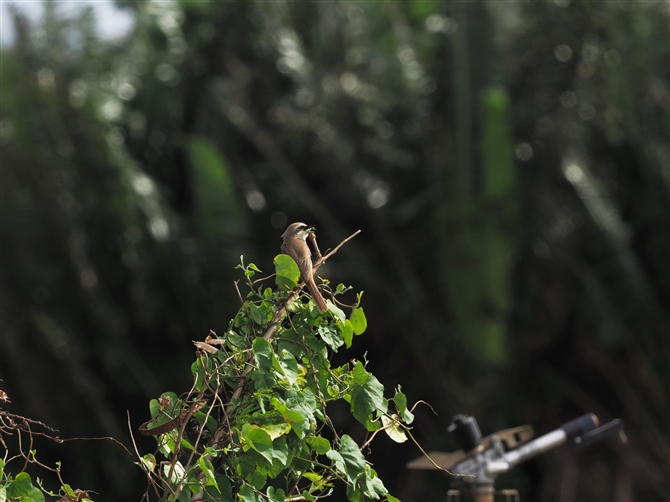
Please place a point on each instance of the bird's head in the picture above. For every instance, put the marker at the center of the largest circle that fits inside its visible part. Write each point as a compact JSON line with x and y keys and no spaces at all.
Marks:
{"x":298,"y":230}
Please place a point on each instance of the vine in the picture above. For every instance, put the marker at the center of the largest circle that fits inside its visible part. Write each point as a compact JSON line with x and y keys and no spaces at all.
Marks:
{"x":22,"y":452}
{"x":255,"y":426}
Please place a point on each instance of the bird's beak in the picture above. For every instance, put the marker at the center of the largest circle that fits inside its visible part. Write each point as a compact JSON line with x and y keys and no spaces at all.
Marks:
{"x":311,"y":229}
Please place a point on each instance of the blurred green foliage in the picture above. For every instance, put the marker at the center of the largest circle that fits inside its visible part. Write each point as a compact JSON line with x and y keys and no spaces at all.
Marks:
{"x":508,"y":163}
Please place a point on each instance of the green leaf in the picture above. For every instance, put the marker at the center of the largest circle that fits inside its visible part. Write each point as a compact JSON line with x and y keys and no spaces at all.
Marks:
{"x":198,"y":370}
{"x":330,"y":335}
{"x":246,"y":464}
{"x":236,"y":341}
{"x":400,"y":401}
{"x":257,"y":479}
{"x":66,"y":488}
{"x":248,"y":494}
{"x":208,"y":470}
{"x":163,"y":414}
{"x":172,"y":405}
{"x":280,"y":451}
{"x":360,"y":374}
{"x":353,"y":458}
{"x":256,"y":314}
{"x":258,"y":439}
{"x":354,"y":494}
{"x":263,"y":381}
{"x":294,"y":418}
{"x":186,"y":444}
{"x":289,"y":366}
{"x":391,"y":498}
{"x":298,"y":410}
{"x":374,"y":487}
{"x":287,"y":272}
{"x":276,"y":494}
{"x":22,"y":488}
{"x":335,"y":456}
{"x":346,"y":332}
{"x":276,"y":430}
{"x":262,"y":354}
{"x":358,"y":321}
{"x":203,"y":418}
{"x":319,"y":444}
{"x":367,"y":398}
{"x":337,"y":312}
{"x":319,"y":481}
{"x":223,"y":491}
{"x":308,"y":496}
{"x":290,"y":340}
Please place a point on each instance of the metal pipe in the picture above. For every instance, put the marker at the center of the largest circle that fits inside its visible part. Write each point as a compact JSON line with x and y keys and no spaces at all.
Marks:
{"x":534,"y":448}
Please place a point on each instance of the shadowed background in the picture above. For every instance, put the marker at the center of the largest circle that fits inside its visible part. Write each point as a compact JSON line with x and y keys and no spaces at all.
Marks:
{"x":508,"y":164}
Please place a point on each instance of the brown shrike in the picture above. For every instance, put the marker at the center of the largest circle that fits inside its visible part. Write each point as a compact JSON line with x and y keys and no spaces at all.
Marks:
{"x":295,"y":245}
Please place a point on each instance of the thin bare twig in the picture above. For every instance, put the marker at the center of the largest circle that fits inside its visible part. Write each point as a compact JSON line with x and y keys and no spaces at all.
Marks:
{"x":141,"y":459}
{"x":421,"y":401}
{"x":369,"y":441}
{"x":261,"y":279}
{"x":238,"y":291}
{"x":439,"y":467}
{"x":323,"y":259}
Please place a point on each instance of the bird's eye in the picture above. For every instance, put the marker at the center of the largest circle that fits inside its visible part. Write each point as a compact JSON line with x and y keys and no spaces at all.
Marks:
{"x":303,"y":227}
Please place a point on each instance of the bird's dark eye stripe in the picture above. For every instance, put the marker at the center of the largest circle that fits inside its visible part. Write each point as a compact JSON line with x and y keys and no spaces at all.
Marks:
{"x":303,"y":227}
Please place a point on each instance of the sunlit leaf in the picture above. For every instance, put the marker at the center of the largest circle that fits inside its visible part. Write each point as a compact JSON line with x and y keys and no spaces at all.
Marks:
{"x":287,"y":272}
{"x":258,"y":439}
{"x":276,"y":430}
{"x":288,"y":366}
{"x":174,"y":473}
{"x":337,"y":312}
{"x":358,"y":321}
{"x":292,"y":418}
{"x":393,"y":430}
{"x":346,"y":332}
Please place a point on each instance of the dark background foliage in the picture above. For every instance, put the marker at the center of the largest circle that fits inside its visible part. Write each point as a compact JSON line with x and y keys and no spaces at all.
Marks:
{"x":508,"y":164}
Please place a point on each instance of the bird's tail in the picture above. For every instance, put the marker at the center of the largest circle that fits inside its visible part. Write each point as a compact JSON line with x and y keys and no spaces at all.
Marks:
{"x":316,"y":294}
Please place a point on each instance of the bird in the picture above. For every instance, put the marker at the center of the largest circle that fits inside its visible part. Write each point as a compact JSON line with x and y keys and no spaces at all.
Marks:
{"x":295,"y":245}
